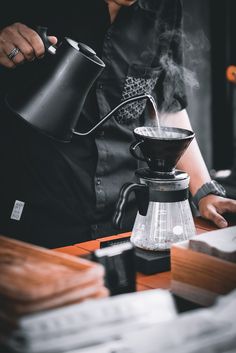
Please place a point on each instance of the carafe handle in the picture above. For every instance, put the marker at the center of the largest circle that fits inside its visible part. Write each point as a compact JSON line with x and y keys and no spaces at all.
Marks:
{"x":142,"y":198}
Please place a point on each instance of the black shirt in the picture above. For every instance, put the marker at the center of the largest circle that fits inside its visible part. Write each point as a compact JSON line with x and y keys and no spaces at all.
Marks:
{"x":69,"y":190}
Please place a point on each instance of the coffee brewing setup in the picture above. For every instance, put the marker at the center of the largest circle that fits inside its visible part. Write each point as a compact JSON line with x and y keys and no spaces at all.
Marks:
{"x":52,"y":105}
{"x":164,"y":215}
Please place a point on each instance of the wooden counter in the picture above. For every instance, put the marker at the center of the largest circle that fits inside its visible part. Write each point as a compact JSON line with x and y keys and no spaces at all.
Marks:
{"x":144,"y":282}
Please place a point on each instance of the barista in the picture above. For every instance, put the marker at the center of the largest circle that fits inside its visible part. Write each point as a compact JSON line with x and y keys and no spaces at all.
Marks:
{"x":54,"y":194}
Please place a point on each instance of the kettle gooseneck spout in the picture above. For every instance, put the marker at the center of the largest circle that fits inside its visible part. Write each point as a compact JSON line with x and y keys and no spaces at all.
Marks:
{"x":106,"y":117}
{"x":53,"y":101}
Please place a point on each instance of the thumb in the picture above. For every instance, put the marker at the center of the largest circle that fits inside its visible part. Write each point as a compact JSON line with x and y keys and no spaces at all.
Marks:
{"x":53,"y":39}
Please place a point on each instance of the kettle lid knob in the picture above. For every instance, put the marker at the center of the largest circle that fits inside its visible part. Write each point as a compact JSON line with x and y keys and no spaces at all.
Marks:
{"x":85,"y":49}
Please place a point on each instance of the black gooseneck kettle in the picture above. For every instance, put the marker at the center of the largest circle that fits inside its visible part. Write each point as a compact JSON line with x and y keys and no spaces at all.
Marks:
{"x":52,"y":103}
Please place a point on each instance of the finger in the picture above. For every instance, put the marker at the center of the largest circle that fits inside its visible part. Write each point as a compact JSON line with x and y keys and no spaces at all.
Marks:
{"x":18,"y":58}
{"x":4,"y":61}
{"x":53,"y":39}
{"x":220,"y":221}
{"x":33,"y":40}
{"x":227,"y":205}
{"x":217,"y":218}
{"x":26,"y":49}
{"x":220,"y":204}
{"x":5,"y":48}
{"x":10,"y":37}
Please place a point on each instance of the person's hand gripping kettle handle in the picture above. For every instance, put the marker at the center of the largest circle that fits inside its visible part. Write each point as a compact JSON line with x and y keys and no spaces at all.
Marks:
{"x":19,"y":44}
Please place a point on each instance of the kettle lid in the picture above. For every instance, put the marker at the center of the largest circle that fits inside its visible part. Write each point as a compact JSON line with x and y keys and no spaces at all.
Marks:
{"x":85,"y":50}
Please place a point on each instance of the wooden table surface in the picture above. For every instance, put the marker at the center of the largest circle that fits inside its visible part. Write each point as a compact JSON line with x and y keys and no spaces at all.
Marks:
{"x":144,"y":282}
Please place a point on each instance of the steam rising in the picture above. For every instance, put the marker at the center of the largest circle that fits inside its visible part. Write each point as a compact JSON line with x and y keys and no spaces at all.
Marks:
{"x":179,"y":79}
{"x":159,"y":133}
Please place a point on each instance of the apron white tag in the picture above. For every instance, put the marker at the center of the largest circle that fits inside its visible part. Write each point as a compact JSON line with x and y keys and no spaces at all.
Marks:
{"x":17,"y":210}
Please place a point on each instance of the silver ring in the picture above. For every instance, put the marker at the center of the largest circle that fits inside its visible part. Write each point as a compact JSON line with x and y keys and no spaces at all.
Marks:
{"x":13,"y":53}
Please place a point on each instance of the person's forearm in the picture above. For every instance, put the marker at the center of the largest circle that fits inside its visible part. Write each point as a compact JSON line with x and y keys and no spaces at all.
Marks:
{"x":192,"y":161}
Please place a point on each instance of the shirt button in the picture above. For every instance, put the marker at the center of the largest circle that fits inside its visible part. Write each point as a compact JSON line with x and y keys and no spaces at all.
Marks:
{"x":98,"y":181}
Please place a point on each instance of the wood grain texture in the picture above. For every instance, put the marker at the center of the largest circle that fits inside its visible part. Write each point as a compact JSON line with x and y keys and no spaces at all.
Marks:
{"x":191,"y":269}
{"x":31,"y":273}
{"x":77,"y":295}
{"x":159,"y":280}
{"x":220,"y":243}
{"x":72,"y":250}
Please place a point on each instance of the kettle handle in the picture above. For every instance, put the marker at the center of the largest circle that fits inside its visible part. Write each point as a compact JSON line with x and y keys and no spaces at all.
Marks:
{"x":142,"y":198}
{"x":42,"y":32}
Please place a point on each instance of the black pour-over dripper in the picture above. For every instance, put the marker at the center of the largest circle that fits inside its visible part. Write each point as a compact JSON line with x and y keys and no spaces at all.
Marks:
{"x":161,"y":147}
{"x":164,"y":216}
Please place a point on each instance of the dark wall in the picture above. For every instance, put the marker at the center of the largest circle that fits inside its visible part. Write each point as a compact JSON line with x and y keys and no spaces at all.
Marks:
{"x":223,"y":29}
{"x":212,"y":106}
{"x":197,"y":60}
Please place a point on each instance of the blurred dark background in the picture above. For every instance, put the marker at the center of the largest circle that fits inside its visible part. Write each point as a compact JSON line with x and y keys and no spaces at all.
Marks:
{"x":210,"y":47}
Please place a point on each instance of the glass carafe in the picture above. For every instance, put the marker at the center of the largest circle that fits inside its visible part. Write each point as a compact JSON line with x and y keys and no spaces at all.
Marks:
{"x":164,"y":215}
{"x":164,"y":224}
